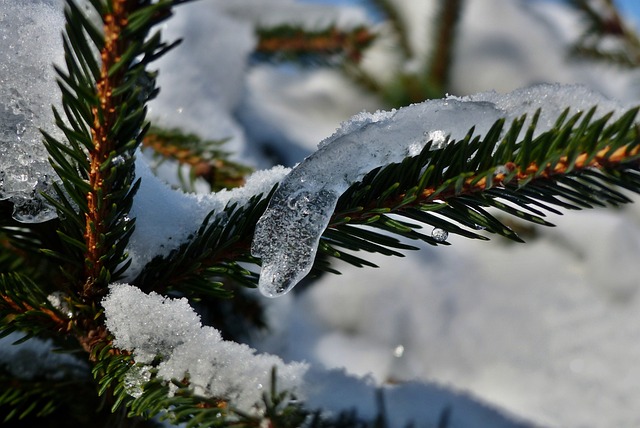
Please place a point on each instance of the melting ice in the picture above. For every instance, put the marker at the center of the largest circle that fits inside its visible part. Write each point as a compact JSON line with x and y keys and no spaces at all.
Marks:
{"x":29,"y":43}
{"x":288,"y":233}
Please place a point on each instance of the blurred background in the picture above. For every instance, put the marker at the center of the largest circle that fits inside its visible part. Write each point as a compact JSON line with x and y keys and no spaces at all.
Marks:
{"x":543,"y":331}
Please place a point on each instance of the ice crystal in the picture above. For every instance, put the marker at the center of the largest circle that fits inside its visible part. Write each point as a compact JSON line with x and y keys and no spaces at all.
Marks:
{"x":29,"y":44}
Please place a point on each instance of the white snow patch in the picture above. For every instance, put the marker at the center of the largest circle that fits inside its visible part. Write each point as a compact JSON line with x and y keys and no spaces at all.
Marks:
{"x":152,"y":326}
{"x":166,"y":217}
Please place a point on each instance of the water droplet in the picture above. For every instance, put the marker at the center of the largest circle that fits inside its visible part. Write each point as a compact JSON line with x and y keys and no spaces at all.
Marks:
{"x":398,"y":351}
{"x":127,"y":220}
{"x":58,"y":300}
{"x":500,"y":169}
{"x":135,"y":380}
{"x":439,"y":235}
{"x":117,"y":161}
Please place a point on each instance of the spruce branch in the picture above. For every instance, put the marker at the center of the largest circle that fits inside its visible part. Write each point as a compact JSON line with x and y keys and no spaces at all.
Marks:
{"x":217,"y":251}
{"x":205,"y":158}
{"x":104,"y":92}
{"x":576,"y":165}
{"x":24,"y":307}
{"x":580,"y":163}
{"x":440,"y":57}
{"x":29,"y":400}
{"x":605,"y":25}
{"x":290,"y":43}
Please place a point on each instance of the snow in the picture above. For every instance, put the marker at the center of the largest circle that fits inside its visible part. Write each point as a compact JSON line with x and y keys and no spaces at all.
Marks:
{"x":163,"y":329}
{"x":29,"y":43}
{"x":166,"y":217}
{"x":288,"y":233}
{"x":155,"y":326}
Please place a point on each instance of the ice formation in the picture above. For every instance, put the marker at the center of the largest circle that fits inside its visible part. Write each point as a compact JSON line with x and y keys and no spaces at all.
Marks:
{"x":29,"y":43}
{"x":151,"y":325}
{"x":288,"y":234}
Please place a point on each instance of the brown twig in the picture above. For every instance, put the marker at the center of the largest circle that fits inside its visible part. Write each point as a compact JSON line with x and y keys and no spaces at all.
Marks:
{"x":105,"y":115}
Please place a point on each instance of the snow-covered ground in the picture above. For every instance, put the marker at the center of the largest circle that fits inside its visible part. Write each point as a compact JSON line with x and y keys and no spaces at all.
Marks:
{"x":498,"y":332}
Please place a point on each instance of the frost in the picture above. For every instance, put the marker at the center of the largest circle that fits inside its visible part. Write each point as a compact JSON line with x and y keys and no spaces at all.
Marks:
{"x":288,"y":234}
{"x":153,"y":326}
{"x":29,"y":44}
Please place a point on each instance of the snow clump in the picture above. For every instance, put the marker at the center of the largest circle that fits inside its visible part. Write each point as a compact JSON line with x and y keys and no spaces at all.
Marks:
{"x":150,"y":326}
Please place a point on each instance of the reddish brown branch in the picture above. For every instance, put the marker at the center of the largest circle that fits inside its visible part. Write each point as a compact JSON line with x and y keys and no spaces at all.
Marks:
{"x":301,"y":42}
{"x":60,"y":324}
{"x":105,"y":115}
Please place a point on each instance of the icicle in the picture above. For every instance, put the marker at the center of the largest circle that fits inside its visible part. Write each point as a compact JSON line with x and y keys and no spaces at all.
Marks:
{"x":288,"y":233}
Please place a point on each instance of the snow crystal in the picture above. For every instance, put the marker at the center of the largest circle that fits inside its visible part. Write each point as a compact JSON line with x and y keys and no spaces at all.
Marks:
{"x":29,"y":43}
{"x":151,"y":325}
{"x":288,"y":233}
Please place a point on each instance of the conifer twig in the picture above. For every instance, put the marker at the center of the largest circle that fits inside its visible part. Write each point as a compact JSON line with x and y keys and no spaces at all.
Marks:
{"x":105,"y":115}
{"x":294,"y":42}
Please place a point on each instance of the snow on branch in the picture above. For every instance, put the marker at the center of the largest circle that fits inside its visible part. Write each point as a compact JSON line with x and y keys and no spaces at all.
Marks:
{"x":288,"y":234}
{"x":153,"y":326}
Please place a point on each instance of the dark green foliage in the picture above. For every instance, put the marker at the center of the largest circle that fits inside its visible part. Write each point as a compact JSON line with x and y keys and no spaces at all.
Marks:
{"x":24,"y":307}
{"x":26,"y":402}
{"x":103,"y":123}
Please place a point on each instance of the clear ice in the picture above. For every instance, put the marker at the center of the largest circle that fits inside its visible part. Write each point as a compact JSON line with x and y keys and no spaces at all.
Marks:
{"x":29,"y":43}
{"x":288,"y":233}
